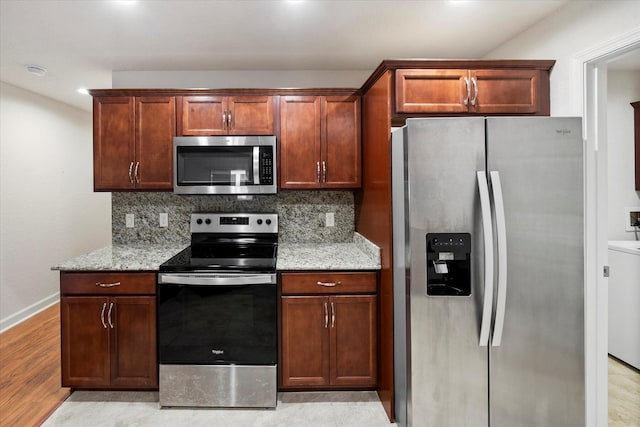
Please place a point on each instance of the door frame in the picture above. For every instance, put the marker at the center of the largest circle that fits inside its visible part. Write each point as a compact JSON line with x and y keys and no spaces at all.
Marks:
{"x":590,"y":71}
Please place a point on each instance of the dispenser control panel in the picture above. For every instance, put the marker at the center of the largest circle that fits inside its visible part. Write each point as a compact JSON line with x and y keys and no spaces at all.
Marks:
{"x":448,"y":264}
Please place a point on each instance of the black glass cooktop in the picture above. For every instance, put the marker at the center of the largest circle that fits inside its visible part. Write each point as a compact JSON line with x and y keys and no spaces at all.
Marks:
{"x":227,"y":258}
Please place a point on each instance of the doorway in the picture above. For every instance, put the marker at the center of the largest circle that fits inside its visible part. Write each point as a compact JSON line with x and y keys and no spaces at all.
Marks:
{"x":592,"y":80}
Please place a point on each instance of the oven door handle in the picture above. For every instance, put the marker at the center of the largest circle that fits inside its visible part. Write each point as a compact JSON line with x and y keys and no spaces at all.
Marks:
{"x":207,"y":279}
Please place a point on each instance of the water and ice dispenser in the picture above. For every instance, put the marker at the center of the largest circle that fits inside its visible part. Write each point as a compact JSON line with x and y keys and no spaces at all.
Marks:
{"x":449,"y":264}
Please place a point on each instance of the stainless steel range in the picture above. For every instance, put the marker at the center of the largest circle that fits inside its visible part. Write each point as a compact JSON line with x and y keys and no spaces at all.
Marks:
{"x":217,"y":328}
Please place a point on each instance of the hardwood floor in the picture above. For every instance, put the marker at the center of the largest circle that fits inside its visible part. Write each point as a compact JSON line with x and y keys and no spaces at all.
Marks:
{"x":30,"y":376}
{"x":30,"y":370}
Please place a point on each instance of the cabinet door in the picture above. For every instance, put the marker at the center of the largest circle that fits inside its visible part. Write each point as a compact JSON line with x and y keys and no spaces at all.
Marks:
{"x":84,"y":341}
{"x":432,"y":91}
{"x":299,"y":142}
{"x":155,"y":129}
{"x":250,"y":115}
{"x":132,"y":325}
{"x":507,"y":92}
{"x":204,"y":115}
{"x":113,"y":143}
{"x":305,"y":341}
{"x":353,"y":340}
{"x":340,"y":142}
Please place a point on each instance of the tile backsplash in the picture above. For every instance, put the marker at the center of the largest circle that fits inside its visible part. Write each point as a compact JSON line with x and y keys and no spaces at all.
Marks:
{"x":301,"y":215}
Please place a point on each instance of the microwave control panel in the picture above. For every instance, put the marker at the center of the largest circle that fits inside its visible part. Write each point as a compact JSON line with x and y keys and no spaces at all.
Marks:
{"x":266,"y":165}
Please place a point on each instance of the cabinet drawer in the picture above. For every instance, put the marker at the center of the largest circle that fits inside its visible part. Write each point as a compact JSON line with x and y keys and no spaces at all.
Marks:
{"x":328,"y":283}
{"x":107,"y":283}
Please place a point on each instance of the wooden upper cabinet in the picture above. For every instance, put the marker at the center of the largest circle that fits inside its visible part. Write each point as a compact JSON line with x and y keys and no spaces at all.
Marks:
{"x":155,"y":129}
{"x":432,"y":91}
{"x":204,"y":115}
{"x":340,"y":142}
{"x":133,"y":143}
{"x":227,"y":115}
{"x":250,"y":115}
{"x":474,"y":91}
{"x":320,"y":142}
{"x":505,"y":92}
{"x":299,"y":163}
{"x":113,"y":142}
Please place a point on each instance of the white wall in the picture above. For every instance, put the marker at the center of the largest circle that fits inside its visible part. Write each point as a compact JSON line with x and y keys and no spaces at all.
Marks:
{"x":578,"y":26}
{"x":49,"y":212}
{"x":623,"y":87}
{"x":229,"y":79}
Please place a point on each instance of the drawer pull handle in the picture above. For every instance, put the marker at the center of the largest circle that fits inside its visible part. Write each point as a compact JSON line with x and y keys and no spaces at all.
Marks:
{"x":107,"y":285}
{"x":329,"y":284}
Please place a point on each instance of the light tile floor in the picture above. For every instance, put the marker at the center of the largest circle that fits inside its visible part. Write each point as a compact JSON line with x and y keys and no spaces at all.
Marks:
{"x":624,"y":395}
{"x":317,"y":409}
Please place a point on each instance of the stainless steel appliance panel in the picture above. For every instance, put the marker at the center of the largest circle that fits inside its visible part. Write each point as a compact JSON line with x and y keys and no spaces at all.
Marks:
{"x":218,"y":386}
{"x":537,"y":372}
{"x":448,"y":381}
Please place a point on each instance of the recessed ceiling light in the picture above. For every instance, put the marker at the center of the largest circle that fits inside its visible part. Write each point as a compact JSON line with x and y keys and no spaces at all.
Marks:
{"x":83,"y":90}
{"x":36,"y":70}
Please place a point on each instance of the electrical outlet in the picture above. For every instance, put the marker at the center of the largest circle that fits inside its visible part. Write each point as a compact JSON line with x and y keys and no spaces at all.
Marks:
{"x":631,"y":218}
{"x":129,"y":221}
{"x":164,"y":220}
{"x":329,"y":220}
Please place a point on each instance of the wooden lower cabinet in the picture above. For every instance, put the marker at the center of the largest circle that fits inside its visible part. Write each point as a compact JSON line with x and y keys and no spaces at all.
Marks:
{"x":328,"y":341}
{"x":108,"y":341}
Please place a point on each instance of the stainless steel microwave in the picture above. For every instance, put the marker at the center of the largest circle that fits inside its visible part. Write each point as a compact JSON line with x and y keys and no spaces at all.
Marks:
{"x":224,"y":165}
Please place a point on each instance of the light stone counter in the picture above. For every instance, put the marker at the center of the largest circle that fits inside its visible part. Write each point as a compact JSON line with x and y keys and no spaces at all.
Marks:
{"x":122,"y":258}
{"x":359,"y":255}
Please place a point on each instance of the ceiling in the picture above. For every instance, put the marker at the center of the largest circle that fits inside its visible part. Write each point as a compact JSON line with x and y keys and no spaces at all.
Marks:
{"x":81,"y":42}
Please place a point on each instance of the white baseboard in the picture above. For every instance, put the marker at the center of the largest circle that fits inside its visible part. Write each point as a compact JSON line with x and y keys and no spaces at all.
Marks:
{"x":27,"y":312}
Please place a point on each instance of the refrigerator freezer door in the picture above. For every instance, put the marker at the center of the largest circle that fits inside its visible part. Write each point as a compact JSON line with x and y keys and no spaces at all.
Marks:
{"x":537,"y":372}
{"x":447,"y":379}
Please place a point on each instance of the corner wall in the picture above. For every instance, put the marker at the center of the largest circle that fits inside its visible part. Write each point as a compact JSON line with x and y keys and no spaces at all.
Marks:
{"x":49,"y":212}
{"x":574,"y":28}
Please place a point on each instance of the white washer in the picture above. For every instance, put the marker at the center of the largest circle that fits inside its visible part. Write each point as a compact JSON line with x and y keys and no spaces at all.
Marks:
{"x":624,"y":301}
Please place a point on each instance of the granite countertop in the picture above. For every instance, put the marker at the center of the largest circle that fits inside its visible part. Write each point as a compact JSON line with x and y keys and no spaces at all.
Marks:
{"x":122,"y":258}
{"x":323,"y":256}
{"x":360,"y":254}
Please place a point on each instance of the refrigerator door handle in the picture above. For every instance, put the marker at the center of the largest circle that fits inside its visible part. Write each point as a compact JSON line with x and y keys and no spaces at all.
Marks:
{"x":501,"y":231}
{"x":487,"y":306}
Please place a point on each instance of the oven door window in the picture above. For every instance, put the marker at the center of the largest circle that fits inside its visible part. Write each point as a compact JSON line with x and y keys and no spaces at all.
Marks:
{"x":227,"y":166}
{"x":217,"y":324}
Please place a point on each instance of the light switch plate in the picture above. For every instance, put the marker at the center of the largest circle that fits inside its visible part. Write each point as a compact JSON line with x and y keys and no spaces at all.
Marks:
{"x":164,"y":220}
{"x":330,"y":220}
{"x":631,"y":216}
{"x":129,"y":221}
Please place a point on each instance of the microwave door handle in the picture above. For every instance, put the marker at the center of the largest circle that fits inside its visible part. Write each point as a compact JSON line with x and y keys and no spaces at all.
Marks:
{"x":256,"y":165}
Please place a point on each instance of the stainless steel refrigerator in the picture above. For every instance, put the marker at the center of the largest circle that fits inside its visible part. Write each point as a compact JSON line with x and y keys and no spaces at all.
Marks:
{"x":488,"y":272}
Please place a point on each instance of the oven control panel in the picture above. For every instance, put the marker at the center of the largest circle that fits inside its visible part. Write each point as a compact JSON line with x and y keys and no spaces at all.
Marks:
{"x":207,"y":222}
